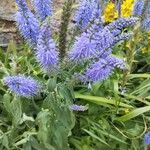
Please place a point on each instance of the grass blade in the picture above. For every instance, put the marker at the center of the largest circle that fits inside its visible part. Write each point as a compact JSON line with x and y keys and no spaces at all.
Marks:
{"x":101,"y":100}
{"x":134,"y":113}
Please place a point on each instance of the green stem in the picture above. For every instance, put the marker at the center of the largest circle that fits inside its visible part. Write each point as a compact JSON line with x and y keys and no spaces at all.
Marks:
{"x":130,"y":56}
{"x":145,"y":147}
{"x":131,"y":51}
{"x":35,"y":105}
{"x":119,"y":9}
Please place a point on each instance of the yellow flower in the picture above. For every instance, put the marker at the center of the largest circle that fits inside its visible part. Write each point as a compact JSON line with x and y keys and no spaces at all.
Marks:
{"x":110,"y":13}
{"x":128,"y":45}
{"x":35,"y":72}
{"x":145,"y":49}
{"x":126,"y":111}
{"x":127,"y":8}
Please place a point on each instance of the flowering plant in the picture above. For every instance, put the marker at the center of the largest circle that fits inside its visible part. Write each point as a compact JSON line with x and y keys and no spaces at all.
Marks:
{"x":42,"y":100}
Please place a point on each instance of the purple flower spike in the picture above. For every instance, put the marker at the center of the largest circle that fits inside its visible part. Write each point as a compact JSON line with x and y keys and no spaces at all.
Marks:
{"x":83,"y":49}
{"x":21,"y":85}
{"x":103,"y":39}
{"x":78,"y":107}
{"x":116,"y":32}
{"x":43,"y":8}
{"x":116,"y":62}
{"x":99,"y":71}
{"x":138,"y":7}
{"x":47,"y":54}
{"x":102,"y":69}
{"x":122,"y":23}
{"x":22,"y":4}
{"x":89,"y":46}
{"x":147,"y":138}
{"x":122,"y":37}
{"x":27,"y":23}
{"x":146,"y":23}
{"x":88,"y":11}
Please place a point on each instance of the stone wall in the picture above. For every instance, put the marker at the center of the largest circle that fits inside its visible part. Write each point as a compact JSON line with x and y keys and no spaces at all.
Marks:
{"x":8,"y":29}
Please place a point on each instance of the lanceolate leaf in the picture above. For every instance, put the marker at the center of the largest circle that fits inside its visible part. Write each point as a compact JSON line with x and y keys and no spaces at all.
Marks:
{"x":134,"y":113}
{"x":95,"y":136}
{"x":101,"y":100}
{"x":144,"y":75}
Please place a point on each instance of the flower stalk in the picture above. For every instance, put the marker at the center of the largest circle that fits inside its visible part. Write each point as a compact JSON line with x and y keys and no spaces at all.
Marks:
{"x":66,"y":14}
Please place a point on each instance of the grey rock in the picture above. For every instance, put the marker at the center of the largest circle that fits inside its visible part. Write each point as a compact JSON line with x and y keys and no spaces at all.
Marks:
{"x":8,"y":29}
{"x":7,"y":10}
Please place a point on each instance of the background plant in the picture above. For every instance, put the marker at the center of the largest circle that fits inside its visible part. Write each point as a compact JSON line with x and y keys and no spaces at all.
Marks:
{"x":39,"y":115}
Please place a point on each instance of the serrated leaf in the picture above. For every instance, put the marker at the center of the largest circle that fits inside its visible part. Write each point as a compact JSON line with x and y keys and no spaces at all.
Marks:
{"x":6,"y":102}
{"x":16,"y":110}
{"x":47,"y":101}
{"x":65,"y":93}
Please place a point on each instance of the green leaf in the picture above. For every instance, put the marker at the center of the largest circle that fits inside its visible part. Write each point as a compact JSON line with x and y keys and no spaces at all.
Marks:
{"x":26,"y":118}
{"x":101,"y":100}
{"x":95,"y":137}
{"x":65,"y":93}
{"x":51,"y":84}
{"x":76,"y":143}
{"x":16,"y":110}
{"x":143,"y":89}
{"x":34,"y":143}
{"x":144,"y":75}
{"x":115,"y":84}
{"x":109,"y":135}
{"x":55,"y":123}
{"x":5,"y":142}
{"x":27,"y":146}
{"x":134,"y":113}
{"x":6,"y":102}
{"x":129,"y":96}
{"x":49,"y":102}
{"x":21,"y":142}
